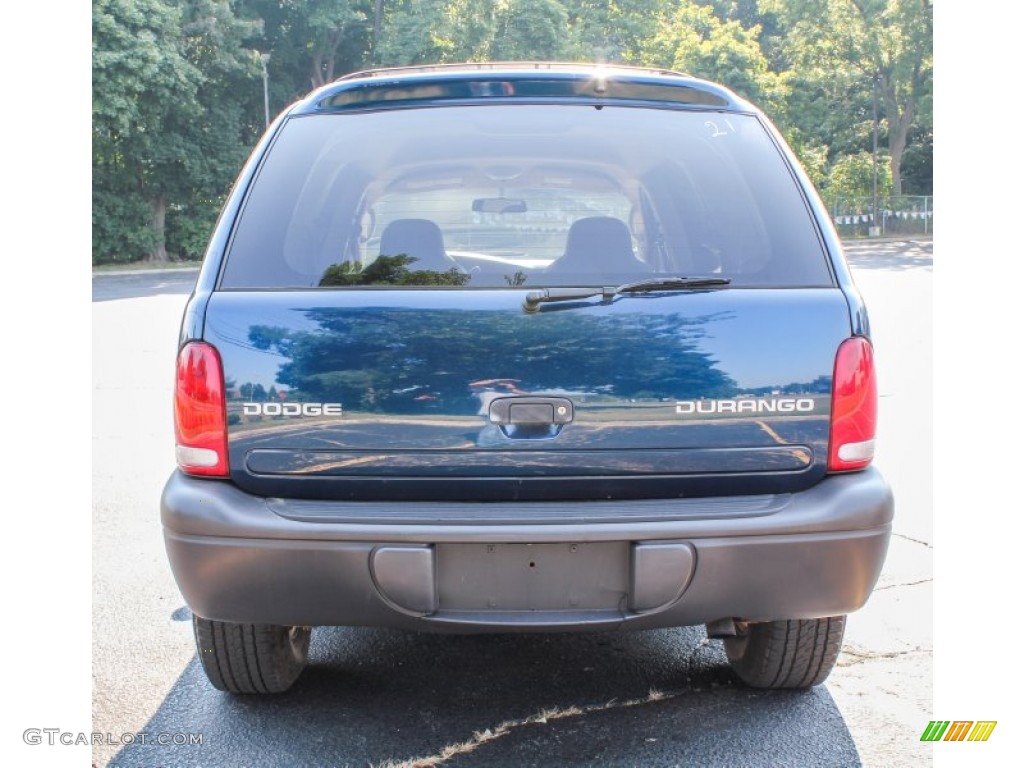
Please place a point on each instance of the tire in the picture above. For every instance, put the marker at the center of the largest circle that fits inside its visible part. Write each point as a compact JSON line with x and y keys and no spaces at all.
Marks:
{"x":251,"y":658}
{"x":795,"y":653}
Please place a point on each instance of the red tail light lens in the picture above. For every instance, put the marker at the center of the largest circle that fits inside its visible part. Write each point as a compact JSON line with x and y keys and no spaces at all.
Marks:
{"x":200,"y":417}
{"x":854,"y":407}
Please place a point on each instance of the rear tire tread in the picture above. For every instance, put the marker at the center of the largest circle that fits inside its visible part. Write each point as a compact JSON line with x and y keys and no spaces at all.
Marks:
{"x":251,"y":658}
{"x":797,"y":653}
{"x":256,"y":659}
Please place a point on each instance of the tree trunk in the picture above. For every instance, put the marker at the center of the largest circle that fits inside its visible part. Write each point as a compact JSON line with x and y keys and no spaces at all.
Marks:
{"x":896,"y":148}
{"x":159,"y":252}
{"x":899,"y":126}
{"x":899,"y":123}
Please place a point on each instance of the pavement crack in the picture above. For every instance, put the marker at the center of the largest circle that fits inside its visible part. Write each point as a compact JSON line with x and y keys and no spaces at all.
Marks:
{"x":542,"y":717}
{"x":905,"y":584}
{"x":851,"y":655}
{"x":911,"y":538}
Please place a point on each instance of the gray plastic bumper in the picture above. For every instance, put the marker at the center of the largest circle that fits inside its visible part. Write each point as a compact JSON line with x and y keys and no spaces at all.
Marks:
{"x":466,"y":567}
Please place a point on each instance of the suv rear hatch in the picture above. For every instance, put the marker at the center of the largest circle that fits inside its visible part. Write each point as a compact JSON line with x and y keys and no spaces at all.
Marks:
{"x":371,"y":322}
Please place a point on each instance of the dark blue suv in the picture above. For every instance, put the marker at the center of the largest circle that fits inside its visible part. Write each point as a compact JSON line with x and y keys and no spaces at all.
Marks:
{"x":524,"y":347}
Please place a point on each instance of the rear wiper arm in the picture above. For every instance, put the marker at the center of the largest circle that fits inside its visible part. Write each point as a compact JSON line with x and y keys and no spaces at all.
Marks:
{"x":534,"y":299}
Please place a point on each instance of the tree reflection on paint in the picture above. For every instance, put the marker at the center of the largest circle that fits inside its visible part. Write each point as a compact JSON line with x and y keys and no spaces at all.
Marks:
{"x":413,"y":361}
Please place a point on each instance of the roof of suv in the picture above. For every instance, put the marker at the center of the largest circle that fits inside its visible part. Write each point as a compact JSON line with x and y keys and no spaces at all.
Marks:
{"x":524,"y":82}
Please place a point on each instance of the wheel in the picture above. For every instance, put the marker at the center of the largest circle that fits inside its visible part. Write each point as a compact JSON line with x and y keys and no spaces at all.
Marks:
{"x":796,"y":653}
{"x":251,"y":658}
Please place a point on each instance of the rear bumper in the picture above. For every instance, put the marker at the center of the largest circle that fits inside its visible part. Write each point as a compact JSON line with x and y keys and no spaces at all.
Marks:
{"x":527,"y":566}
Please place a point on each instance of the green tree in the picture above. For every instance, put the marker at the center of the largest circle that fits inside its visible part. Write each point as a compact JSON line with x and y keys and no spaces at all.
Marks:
{"x":218,"y":43}
{"x":169,"y":129}
{"x":469,"y":30}
{"x":311,"y":42}
{"x":613,"y":30}
{"x":438,"y":31}
{"x":530,"y":30}
{"x":917,"y":163}
{"x":852,"y":178}
{"x":443,"y":31}
{"x":412,"y":31}
{"x":887,"y":42}
{"x":330,"y":24}
{"x":144,"y":87}
{"x":177,"y":101}
{"x":695,"y":40}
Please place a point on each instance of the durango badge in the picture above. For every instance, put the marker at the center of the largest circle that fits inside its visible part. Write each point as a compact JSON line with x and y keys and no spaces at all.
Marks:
{"x":746,"y":405}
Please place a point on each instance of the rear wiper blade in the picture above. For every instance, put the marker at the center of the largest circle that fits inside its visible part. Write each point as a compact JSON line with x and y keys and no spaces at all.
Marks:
{"x":534,"y":299}
{"x":671,"y":284}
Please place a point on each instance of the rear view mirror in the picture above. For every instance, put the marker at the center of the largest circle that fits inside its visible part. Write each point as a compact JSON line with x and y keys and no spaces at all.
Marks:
{"x":498,"y":205}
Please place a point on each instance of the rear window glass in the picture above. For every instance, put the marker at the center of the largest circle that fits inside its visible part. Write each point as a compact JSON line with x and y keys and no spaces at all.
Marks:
{"x":522,"y":196}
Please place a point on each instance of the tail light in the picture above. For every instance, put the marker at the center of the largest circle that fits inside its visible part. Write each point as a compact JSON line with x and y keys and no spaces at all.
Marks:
{"x":854,"y":407}
{"x":200,"y":416}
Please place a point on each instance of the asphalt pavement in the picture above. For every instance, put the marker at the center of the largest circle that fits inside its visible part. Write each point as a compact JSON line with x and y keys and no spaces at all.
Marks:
{"x":131,"y":285}
{"x":383,"y":697}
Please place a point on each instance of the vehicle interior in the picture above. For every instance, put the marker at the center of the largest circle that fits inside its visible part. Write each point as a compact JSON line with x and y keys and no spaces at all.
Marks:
{"x":523,"y":197}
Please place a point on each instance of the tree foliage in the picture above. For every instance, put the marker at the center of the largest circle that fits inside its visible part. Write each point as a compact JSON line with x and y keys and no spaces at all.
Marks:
{"x":885,"y":44}
{"x":142,"y":88}
{"x":169,"y":128}
{"x":852,"y":177}
{"x":437,"y":31}
{"x":178,"y":88}
{"x":695,"y":40}
{"x":611,"y":30}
